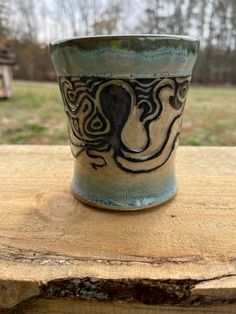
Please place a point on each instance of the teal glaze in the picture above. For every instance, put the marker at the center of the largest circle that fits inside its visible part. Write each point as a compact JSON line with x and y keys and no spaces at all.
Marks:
{"x":124,"y":98}
{"x":125,"y":56}
{"x":124,"y":197}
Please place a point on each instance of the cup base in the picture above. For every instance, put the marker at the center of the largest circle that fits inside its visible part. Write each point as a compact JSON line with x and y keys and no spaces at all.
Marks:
{"x":125,"y":205}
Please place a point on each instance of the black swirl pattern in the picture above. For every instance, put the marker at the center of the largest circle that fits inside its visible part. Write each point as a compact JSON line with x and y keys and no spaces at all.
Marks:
{"x":103,"y":112}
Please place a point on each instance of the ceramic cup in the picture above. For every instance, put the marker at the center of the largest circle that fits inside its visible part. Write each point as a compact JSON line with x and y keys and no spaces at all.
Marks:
{"x":124,"y":97}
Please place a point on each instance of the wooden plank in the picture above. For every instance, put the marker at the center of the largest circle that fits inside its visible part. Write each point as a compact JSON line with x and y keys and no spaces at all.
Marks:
{"x":51,"y":245}
{"x":84,"y":307}
{"x":5,"y":81}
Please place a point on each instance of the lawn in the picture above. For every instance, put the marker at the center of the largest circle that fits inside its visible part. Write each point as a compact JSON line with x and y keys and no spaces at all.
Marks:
{"x":35,"y":116}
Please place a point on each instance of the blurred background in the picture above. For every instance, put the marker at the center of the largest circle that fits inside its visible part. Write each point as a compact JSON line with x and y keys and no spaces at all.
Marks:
{"x":31,"y":110}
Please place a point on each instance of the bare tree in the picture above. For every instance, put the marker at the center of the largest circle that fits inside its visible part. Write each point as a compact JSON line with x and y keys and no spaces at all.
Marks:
{"x":176,"y":20}
{"x":5,"y":20}
{"x":109,"y":19}
{"x":77,"y":16}
{"x":154,"y":17}
{"x":27,"y":11}
{"x":233,"y":24}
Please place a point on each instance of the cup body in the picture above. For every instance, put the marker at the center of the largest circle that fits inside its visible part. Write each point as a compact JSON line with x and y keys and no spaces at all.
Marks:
{"x":124,"y":97}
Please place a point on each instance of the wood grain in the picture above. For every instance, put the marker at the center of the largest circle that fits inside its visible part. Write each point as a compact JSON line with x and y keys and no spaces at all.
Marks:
{"x":53,"y":246}
{"x":84,"y":307}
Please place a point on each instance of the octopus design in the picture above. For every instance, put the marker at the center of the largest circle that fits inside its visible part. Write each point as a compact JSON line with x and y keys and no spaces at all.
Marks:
{"x":103,"y":114}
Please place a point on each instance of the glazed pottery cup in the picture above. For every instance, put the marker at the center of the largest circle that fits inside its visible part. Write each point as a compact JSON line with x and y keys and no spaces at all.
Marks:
{"x":124,"y":98}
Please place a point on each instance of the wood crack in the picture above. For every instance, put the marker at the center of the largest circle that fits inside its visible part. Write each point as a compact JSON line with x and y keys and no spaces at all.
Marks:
{"x":13,"y":254}
{"x":143,"y":291}
{"x":147,"y":291}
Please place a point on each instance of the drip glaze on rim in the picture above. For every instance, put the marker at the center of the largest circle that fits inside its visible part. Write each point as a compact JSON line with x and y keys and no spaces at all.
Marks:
{"x":101,"y":38}
{"x":125,"y":56}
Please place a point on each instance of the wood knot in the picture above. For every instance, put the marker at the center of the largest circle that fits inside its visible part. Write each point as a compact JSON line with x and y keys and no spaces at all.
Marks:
{"x":57,"y":206}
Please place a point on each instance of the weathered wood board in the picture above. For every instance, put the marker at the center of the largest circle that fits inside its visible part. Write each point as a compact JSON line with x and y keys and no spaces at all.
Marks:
{"x":5,"y":81}
{"x":56,"y":252}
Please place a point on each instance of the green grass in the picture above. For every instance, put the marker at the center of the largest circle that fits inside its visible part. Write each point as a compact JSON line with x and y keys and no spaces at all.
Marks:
{"x":34,"y":115}
{"x":210,"y":117}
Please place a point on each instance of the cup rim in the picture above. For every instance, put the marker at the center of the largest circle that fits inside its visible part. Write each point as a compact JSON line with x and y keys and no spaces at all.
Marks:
{"x":101,"y":38}
{"x":144,"y":55}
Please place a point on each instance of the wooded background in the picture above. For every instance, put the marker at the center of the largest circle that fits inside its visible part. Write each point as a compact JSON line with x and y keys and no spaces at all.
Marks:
{"x":29,"y":25}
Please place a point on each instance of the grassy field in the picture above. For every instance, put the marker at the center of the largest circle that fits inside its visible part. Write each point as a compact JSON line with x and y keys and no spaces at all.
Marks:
{"x":35,"y":116}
